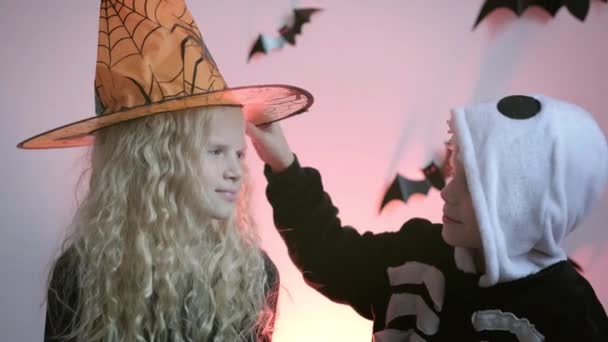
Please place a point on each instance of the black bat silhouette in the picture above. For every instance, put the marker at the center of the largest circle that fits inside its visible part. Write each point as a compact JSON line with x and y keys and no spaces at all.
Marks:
{"x":578,"y":8}
{"x":287,"y":33}
{"x":434,"y":175}
{"x":402,"y":188}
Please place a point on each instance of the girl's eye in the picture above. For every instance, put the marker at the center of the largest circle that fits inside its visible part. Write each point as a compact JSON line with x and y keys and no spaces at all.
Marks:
{"x":215,"y":152}
{"x":240,"y":155}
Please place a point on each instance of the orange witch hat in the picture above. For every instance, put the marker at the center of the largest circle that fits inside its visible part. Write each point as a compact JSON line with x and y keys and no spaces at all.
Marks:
{"x":151,"y":59}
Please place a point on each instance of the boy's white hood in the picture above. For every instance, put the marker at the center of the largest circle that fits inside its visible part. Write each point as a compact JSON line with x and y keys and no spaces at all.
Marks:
{"x":532,"y":181}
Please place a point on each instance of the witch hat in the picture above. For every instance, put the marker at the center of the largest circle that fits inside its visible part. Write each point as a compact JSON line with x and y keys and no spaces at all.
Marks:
{"x":151,"y":59}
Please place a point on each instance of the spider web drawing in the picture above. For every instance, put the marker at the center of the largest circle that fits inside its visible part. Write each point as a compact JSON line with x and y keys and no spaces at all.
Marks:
{"x":150,"y":51}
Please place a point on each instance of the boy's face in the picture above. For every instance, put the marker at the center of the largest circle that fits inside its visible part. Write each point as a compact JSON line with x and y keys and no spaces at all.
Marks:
{"x":222,"y":167}
{"x":460,"y":228}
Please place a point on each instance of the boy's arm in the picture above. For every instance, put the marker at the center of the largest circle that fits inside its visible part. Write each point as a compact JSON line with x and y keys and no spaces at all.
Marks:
{"x":342,"y":264}
{"x":336,"y":260}
{"x":580,"y":315}
{"x":579,"y":326}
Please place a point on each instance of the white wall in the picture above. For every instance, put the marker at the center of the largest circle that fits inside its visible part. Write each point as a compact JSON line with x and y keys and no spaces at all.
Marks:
{"x":384,"y":77}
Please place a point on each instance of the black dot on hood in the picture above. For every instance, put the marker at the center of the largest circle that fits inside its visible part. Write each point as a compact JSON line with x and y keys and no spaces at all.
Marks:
{"x":519,"y":106}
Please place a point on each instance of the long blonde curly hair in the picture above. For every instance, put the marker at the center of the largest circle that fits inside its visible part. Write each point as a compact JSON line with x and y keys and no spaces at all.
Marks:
{"x":150,"y":263}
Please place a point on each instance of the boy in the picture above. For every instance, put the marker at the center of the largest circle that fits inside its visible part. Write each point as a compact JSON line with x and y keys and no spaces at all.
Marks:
{"x":527,"y":170}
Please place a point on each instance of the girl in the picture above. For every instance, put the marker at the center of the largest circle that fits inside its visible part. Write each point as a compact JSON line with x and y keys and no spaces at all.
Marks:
{"x":162,"y":248}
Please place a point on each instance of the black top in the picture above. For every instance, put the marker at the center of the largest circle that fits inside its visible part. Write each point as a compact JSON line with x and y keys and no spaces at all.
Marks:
{"x":60,"y":312}
{"x":408,"y":283}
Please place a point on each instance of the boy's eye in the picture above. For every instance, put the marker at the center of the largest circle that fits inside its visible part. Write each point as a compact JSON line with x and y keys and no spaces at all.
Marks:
{"x":240,"y":154}
{"x":215,"y":151}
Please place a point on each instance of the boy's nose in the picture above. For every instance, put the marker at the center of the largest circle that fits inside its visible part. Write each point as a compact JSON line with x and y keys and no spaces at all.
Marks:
{"x":445,"y":192}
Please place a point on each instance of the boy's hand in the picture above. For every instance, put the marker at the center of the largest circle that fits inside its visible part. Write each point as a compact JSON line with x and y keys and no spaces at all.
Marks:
{"x":271,"y":146}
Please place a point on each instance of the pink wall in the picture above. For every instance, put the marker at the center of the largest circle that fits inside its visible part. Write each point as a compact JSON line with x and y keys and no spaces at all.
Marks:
{"x":384,"y":77}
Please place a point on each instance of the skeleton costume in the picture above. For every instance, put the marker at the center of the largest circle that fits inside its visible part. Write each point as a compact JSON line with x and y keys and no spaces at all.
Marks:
{"x":535,"y":167}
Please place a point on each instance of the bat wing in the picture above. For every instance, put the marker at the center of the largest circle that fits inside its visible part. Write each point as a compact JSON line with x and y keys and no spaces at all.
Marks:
{"x":434,"y":175}
{"x":520,"y":6}
{"x":257,"y":47}
{"x":402,"y":189}
{"x":301,"y":17}
{"x":288,"y":34}
{"x":265,"y":44}
{"x":490,"y":5}
{"x":552,"y":6}
{"x":578,"y":8}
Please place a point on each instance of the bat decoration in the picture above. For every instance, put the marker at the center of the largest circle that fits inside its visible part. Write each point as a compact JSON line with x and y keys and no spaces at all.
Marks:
{"x":287,"y":33}
{"x":578,"y":8}
{"x":434,"y":175}
{"x":402,"y":188}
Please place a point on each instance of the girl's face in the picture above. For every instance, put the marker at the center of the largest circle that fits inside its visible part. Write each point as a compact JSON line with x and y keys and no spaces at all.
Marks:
{"x":222,"y":159}
{"x":460,"y":228}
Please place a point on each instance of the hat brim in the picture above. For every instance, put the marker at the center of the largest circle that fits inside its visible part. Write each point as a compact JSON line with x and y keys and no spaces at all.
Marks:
{"x":261,"y":104}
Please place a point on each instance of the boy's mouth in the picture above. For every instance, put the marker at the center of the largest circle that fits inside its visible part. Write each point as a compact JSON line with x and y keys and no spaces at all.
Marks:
{"x":448,"y":219}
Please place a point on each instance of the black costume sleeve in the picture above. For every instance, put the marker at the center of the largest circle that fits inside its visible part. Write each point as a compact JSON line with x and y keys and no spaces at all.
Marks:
{"x":336,"y":260}
{"x":579,"y":315}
